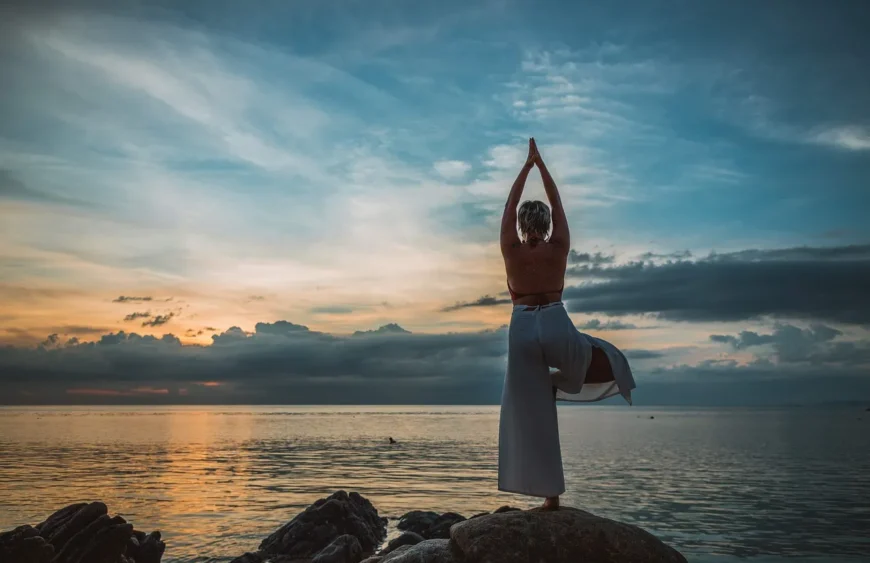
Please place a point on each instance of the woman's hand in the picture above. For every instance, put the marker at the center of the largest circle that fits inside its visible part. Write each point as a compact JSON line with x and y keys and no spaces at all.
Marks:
{"x":534,"y":157}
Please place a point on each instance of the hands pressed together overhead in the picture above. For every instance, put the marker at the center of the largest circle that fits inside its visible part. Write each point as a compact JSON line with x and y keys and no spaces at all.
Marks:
{"x":534,"y":155}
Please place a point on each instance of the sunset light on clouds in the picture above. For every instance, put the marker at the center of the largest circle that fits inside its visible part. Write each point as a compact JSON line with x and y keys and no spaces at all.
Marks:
{"x":251,"y":204}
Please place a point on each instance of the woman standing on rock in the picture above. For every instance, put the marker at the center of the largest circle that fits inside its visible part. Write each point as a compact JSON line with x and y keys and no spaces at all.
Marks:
{"x":541,"y":336}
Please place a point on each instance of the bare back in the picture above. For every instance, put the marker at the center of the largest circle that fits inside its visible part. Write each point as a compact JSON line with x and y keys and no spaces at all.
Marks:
{"x":536,"y":272}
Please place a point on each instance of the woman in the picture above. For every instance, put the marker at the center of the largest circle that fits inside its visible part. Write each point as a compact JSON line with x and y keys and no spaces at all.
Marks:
{"x":542,"y":336}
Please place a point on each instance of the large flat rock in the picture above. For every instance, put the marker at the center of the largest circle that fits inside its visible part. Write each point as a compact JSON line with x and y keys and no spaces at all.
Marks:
{"x":566,"y":535}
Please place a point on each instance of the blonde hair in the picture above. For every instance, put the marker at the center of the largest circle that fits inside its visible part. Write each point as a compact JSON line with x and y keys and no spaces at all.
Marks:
{"x":534,"y":219}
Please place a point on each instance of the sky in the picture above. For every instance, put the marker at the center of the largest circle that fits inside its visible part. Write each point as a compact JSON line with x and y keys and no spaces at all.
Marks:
{"x":299,"y":202}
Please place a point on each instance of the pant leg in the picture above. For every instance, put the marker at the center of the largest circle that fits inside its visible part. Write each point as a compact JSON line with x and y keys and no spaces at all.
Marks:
{"x":565,"y":349}
{"x":570,"y":351}
{"x":530,"y":458}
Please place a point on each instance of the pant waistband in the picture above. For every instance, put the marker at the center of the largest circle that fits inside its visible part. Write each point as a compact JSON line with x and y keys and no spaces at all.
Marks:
{"x":536,"y":307}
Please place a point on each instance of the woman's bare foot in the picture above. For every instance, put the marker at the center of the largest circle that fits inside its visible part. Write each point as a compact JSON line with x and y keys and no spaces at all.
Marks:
{"x":552,"y":503}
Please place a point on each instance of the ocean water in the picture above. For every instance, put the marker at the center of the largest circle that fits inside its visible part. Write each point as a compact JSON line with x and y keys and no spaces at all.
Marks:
{"x":720,"y":485}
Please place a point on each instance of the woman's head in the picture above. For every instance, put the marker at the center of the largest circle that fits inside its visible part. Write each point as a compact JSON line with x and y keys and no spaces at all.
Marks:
{"x":534,"y":219}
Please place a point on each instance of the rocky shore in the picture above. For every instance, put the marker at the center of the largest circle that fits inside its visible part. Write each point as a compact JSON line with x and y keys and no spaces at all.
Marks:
{"x":346,"y":528}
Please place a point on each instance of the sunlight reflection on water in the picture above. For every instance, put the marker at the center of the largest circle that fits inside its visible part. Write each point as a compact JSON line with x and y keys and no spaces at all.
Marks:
{"x":718,"y":484}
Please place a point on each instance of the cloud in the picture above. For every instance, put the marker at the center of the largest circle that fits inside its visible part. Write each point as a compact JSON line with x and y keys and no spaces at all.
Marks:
{"x":285,"y":362}
{"x":485,"y":301}
{"x":280,"y":361}
{"x":136,"y":315}
{"x":792,"y":344}
{"x":81,"y":329}
{"x":391,"y":328}
{"x":643,"y":354}
{"x":598,"y":258}
{"x":452,"y":169}
{"x":753,"y":384}
{"x":159,"y":320}
{"x":15,"y":189}
{"x":127,"y":299}
{"x":333,"y":310}
{"x":825,"y":284}
{"x":852,"y":138}
{"x":596,"y":324}
{"x":676,"y":255}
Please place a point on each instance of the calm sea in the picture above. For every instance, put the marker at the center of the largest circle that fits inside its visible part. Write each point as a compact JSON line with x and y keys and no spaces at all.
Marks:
{"x":721,"y":485}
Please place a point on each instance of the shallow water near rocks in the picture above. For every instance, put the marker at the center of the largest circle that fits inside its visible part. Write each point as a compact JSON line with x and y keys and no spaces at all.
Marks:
{"x":720,"y":485}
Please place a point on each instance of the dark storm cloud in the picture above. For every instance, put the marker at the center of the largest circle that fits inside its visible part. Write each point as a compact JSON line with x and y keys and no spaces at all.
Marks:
{"x":159,"y":320}
{"x":281,"y":361}
{"x":485,"y":301}
{"x":284,"y":362}
{"x":128,"y":299}
{"x":134,"y":316}
{"x":677,"y":255}
{"x":756,"y":383}
{"x":792,"y":344}
{"x":575,"y":257}
{"x":643,"y":354}
{"x":596,"y":324}
{"x":826,"y":284}
{"x":391,"y":328}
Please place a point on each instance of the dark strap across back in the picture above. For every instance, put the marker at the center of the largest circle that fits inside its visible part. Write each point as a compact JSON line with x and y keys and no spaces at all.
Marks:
{"x":515,"y":295}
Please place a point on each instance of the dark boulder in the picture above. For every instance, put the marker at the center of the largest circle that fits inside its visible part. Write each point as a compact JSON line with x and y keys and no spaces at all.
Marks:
{"x":566,"y":535}
{"x":429,"y":551}
{"x":417,"y":521}
{"x":407,"y":538}
{"x":312,"y":530}
{"x":25,"y":545}
{"x":343,"y":549}
{"x":505,"y":508}
{"x":440,"y":528}
{"x":81,"y":533}
{"x":249,"y":558}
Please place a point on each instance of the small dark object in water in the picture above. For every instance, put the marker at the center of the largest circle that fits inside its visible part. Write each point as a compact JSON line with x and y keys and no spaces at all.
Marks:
{"x":391,"y":440}
{"x":652,"y":417}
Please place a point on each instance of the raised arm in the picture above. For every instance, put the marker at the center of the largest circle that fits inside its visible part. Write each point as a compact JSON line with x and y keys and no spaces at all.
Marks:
{"x":508,"y":235}
{"x":560,"y":234}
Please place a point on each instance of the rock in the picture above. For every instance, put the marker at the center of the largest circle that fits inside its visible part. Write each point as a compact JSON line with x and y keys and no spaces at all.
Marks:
{"x":440,"y":528}
{"x":505,"y":508}
{"x":248,"y":558}
{"x":566,"y":535}
{"x":103,"y":539}
{"x":150,"y":549}
{"x":81,"y":533}
{"x":321,"y":523}
{"x":343,"y":549}
{"x":429,"y":551}
{"x":25,"y":545}
{"x":407,"y":538}
{"x":478,"y":515}
{"x":71,"y":523}
{"x":417,"y":521}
